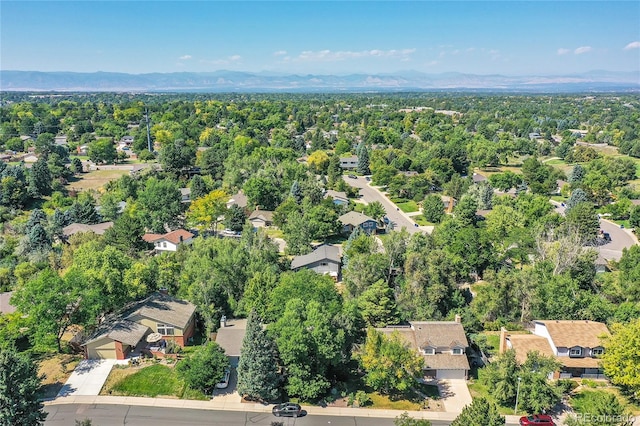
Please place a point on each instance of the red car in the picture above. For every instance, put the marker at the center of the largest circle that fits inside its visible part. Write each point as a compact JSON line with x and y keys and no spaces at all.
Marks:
{"x":537,"y":420}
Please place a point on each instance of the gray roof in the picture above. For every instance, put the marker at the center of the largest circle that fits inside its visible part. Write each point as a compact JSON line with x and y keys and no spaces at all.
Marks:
{"x":5,"y":306}
{"x":185,"y":191}
{"x":352,"y":158}
{"x":265,"y":215}
{"x":354,"y":218}
{"x":164,"y":309}
{"x":230,"y":337}
{"x":98,"y":228}
{"x":336,"y":195}
{"x":323,"y":252}
{"x":238,"y":199}
{"x":127,"y":332}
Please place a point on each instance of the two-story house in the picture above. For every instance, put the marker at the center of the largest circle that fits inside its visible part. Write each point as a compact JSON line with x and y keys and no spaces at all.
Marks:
{"x":323,"y":260}
{"x":575,"y":344}
{"x":353,"y":220}
{"x":349,"y":163}
{"x":443,"y":345}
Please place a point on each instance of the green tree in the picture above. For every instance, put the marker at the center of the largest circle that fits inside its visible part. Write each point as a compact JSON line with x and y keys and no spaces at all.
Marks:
{"x":205,"y":212}
{"x":378,"y":306}
{"x":198,"y":187}
{"x":19,"y":386}
{"x":375,"y":210}
{"x":363,"y":160}
{"x":235,"y":218}
{"x":40,"y":178}
{"x":634,"y":218}
{"x":577,"y":196}
{"x":258,"y":376}
{"x":146,"y":155}
{"x":83,"y":210}
{"x":177,"y":156}
{"x":204,"y":368}
{"x":466,"y":210}
{"x":297,"y":234}
{"x":433,"y":208}
{"x":160,"y":203}
{"x":102,"y":151}
{"x":390,"y":364}
{"x":584,"y":220}
{"x":602,"y":408}
{"x":621,"y":360}
{"x":405,"y":420}
{"x":262,"y":192}
{"x":480,"y":412}
{"x":126,"y":234}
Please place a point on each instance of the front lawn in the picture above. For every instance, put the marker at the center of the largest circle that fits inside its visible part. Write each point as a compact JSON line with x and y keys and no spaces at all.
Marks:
{"x":479,"y":388}
{"x":583,"y":399}
{"x":420,"y":220}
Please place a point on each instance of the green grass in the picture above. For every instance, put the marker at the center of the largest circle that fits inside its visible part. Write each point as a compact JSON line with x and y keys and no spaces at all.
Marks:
{"x":585,"y":398}
{"x":408,"y":206}
{"x":556,"y":162}
{"x":274,"y":232}
{"x":358,"y":207}
{"x":151,"y":381}
{"x":478,"y":388}
{"x":420,"y":220}
{"x":558,"y":198}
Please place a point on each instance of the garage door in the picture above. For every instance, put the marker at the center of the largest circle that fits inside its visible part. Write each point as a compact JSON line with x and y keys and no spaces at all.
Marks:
{"x":102,"y":353}
{"x":451,"y":374}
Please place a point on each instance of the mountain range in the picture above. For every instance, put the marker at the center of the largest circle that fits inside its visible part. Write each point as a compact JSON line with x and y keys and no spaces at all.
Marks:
{"x":236,"y":81}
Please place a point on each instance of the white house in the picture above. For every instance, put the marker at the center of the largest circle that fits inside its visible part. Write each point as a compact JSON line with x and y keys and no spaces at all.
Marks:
{"x":169,"y":241}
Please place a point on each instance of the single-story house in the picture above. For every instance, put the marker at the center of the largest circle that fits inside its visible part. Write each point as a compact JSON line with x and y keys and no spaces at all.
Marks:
{"x":575,"y":344}
{"x":98,"y":228}
{"x":230,"y":336}
{"x":349,"y":163}
{"x":5,"y":303}
{"x":353,"y":219}
{"x":442,"y":344}
{"x":125,"y":332}
{"x":477,"y":178}
{"x":169,"y":241}
{"x":238,"y":199}
{"x":60,"y":140}
{"x":185,"y":195}
{"x":127,"y":140}
{"x":261,"y":218}
{"x":339,"y":198}
{"x":324,"y":260}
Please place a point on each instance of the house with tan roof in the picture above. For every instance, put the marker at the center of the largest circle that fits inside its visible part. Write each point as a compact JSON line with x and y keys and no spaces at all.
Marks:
{"x":353,"y":220}
{"x":98,"y":228}
{"x":575,"y":344}
{"x":169,"y":241}
{"x":125,"y":332}
{"x":443,"y":345}
{"x":339,"y":198}
{"x":261,"y":218}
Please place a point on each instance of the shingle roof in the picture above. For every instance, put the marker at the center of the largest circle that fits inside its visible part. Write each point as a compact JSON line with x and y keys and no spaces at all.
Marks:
{"x":238,"y":199}
{"x":354,"y":218}
{"x":575,"y":333}
{"x":173,"y":236}
{"x":439,"y":334}
{"x":336,"y":195}
{"x":325,"y":251}
{"x":446,"y":362}
{"x":127,"y":332}
{"x":230,"y":337}
{"x":265,"y":215}
{"x":98,"y":228}
{"x":525,"y":343}
{"x":5,"y":306}
{"x":164,"y":309}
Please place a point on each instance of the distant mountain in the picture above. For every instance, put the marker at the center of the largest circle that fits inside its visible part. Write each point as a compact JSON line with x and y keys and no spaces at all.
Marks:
{"x":235,"y":81}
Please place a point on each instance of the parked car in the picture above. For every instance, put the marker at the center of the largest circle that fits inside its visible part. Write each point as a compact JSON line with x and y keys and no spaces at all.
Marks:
{"x":287,"y":409}
{"x":537,"y":420}
{"x":225,"y":380}
{"x":368,"y":179}
{"x":353,"y":176}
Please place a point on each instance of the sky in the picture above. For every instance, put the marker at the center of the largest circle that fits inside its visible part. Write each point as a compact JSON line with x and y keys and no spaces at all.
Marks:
{"x":506,"y":37}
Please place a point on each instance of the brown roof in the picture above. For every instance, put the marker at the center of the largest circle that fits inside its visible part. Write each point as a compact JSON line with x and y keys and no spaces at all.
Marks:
{"x":568,"y":334}
{"x":164,"y":309}
{"x":98,"y":228}
{"x":238,"y":199}
{"x":525,"y":343}
{"x":230,"y":337}
{"x":439,"y":334}
{"x":446,"y":362}
{"x":127,"y":332}
{"x":265,"y":215}
{"x":173,"y":236}
{"x":354,"y":218}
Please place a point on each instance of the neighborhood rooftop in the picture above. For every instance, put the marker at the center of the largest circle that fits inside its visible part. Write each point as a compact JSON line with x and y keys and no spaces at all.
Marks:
{"x":325,"y":251}
{"x":165,"y":309}
{"x":354,"y":218}
{"x":98,"y":228}
{"x":576,"y":333}
{"x":175,"y":237}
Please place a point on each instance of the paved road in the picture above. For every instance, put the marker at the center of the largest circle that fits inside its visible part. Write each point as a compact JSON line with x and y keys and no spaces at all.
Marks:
{"x":370,"y":194}
{"x":111,"y":415}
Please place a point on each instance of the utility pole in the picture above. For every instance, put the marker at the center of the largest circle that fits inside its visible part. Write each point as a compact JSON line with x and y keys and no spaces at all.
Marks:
{"x":515,"y":411}
{"x":146,"y":117}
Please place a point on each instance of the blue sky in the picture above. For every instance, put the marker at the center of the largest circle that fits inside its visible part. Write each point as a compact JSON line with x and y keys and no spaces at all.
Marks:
{"x":319,"y":37}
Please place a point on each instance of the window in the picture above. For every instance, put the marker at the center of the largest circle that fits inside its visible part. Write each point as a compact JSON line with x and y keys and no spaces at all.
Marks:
{"x":457,"y":351}
{"x":323,"y":263}
{"x":164,"y":244}
{"x":429,"y":351}
{"x":597,"y":351}
{"x":575,"y":351}
{"x":165,"y":329}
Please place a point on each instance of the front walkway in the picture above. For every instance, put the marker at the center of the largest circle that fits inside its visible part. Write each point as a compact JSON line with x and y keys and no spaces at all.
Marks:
{"x":87,"y":378}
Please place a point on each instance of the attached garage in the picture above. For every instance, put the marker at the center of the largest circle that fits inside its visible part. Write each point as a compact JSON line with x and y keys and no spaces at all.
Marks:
{"x":451,"y":374}
{"x":114,"y":340}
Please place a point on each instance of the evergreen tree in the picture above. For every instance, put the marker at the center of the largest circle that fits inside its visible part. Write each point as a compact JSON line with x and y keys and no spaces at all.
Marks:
{"x":235,"y":218}
{"x":433,"y":208}
{"x":481,"y":412}
{"x":59,"y":220}
{"x":126,"y":234}
{"x":577,"y":196}
{"x":577,"y":174}
{"x":257,"y":370}
{"x":40,"y":178}
{"x":19,"y":385}
{"x":334,"y":172}
{"x":38,"y":239}
{"x":357,"y":232}
{"x":363,"y":160}
{"x":76,"y":165}
{"x":83,"y":210}
{"x":37,"y":217}
{"x":378,"y":305}
{"x":296,"y":191}
{"x":198,"y":187}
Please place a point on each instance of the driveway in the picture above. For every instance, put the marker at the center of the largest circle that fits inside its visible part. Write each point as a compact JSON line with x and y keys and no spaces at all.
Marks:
{"x":371,"y":194}
{"x":88,"y":377}
{"x":454,"y":395}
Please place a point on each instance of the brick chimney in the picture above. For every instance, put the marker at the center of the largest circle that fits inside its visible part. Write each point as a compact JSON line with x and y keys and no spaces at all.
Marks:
{"x":458,"y":319}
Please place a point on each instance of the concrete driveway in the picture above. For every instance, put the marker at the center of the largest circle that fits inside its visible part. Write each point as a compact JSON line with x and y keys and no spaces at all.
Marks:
{"x":88,"y":377}
{"x":454,"y":395}
{"x":371,"y":194}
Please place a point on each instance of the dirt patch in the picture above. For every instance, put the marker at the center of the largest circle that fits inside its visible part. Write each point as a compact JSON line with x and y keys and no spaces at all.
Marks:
{"x":56,"y":370}
{"x":95,"y":179}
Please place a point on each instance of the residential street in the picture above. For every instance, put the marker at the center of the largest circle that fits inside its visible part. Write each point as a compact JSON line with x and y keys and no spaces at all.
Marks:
{"x":371,"y":194}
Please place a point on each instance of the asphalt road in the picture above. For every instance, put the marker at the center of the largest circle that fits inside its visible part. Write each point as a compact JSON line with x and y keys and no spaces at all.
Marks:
{"x":111,"y":415}
{"x":370,"y":195}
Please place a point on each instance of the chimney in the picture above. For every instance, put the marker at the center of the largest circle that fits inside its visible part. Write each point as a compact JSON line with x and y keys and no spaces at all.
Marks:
{"x":503,"y":340}
{"x":223,"y":321}
{"x":180,"y":238}
{"x":458,"y":319}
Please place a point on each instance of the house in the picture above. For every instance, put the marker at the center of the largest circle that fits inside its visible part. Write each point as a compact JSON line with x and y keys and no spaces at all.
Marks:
{"x":169,"y":241}
{"x":125,"y":332}
{"x":442,"y":344}
{"x":325,"y":260}
{"x":535,"y":136}
{"x":477,"y":178}
{"x":410,"y":173}
{"x":575,"y":344}
{"x":339,"y":198}
{"x":230,"y":336}
{"x":5,"y":303}
{"x":98,"y":228}
{"x":601,"y":264}
{"x":82,"y":150}
{"x":449,"y":203}
{"x":185,"y":195}
{"x":349,"y":163}
{"x":60,"y":140}
{"x":261,"y":218}
{"x":127,"y":140}
{"x":238,"y":199}
{"x":353,"y":220}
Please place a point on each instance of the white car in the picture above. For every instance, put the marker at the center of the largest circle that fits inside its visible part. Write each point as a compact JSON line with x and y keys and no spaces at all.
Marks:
{"x":225,"y":380}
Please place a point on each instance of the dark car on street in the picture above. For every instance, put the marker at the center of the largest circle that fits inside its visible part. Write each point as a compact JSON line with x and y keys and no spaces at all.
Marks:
{"x":287,"y":409}
{"x":537,"y":420}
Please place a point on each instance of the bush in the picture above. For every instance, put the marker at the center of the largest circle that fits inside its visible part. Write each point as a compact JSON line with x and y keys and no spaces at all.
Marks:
{"x":362,"y":398}
{"x":567,"y":386}
{"x":173,"y":347}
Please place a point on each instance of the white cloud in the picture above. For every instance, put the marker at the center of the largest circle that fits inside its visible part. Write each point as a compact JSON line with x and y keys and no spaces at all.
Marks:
{"x":225,"y":61}
{"x":582,"y":49}
{"x":185,"y":57}
{"x":632,"y":45}
{"x":235,"y":58}
{"x":341,"y":55}
{"x":280,"y":53}
{"x":563,"y":51}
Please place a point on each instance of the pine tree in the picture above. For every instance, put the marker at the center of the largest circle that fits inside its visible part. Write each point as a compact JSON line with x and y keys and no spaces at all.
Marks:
{"x":40,"y":178}
{"x":296,"y":191}
{"x":257,"y":370}
{"x":37,"y":217}
{"x":83,"y":210}
{"x":198,"y":187}
{"x":480,"y":413}
{"x":363,"y":160}
{"x":19,"y":385}
{"x":76,"y":165}
{"x":38,"y":239}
